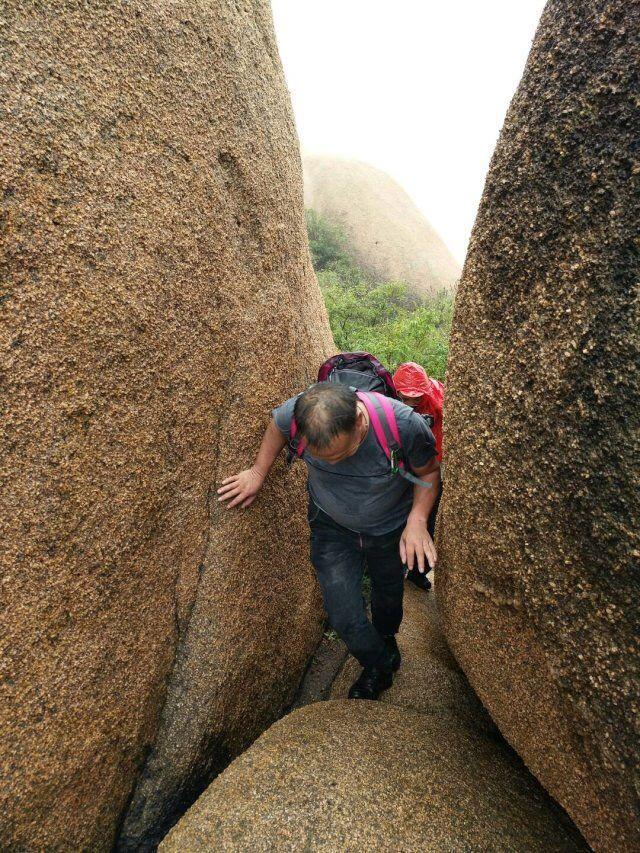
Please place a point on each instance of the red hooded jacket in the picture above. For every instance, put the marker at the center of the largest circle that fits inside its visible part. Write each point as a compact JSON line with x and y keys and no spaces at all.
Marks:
{"x":411,"y":380}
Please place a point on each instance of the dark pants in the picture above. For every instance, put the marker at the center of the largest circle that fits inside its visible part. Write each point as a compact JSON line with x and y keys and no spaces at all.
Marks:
{"x":338,"y":556}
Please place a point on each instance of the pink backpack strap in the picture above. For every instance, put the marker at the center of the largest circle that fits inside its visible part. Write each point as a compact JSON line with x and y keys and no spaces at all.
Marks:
{"x":383,"y":422}
{"x":293,"y":431}
{"x":377,"y":428}
{"x":387,"y":408}
{"x":386,"y":431}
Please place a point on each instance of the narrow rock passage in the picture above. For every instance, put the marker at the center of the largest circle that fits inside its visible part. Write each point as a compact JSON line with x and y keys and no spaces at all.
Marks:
{"x":429,"y":680}
{"x":423,"y":769}
{"x":324,"y":667}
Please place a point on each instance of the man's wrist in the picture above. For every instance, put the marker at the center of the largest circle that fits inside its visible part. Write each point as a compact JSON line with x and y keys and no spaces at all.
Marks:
{"x":259,"y":472}
{"x":417,"y":516}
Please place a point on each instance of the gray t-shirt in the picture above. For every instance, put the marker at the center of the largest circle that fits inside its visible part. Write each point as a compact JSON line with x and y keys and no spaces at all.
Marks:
{"x":360,"y":492}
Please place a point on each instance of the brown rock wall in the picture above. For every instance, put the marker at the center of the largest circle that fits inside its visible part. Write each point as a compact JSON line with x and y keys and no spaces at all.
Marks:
{"x":157,"y":299}
{"x":539,"y":524}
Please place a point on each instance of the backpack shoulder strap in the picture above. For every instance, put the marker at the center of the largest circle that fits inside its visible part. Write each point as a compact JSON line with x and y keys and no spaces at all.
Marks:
{"x":385,"y":427}
{"x":383,"y":421}
{"x":300,"y":444}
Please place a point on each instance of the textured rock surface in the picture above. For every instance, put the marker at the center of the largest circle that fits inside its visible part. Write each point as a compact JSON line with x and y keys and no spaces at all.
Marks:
{"x":539,"y":526}
{"x":156,"y":300}
{"x":423,"y":769}
{"x":387,"y":234}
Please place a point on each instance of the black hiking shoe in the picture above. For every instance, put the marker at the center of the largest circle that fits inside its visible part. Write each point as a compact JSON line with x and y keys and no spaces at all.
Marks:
{"x":394,"y":652}
{"x":370,"y":684}
{"x":420,"y":579}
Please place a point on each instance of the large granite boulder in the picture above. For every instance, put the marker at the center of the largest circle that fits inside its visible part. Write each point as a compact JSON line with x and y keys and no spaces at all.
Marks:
{"x":157,"y":300}
{"x":386,"y":233}
{"x":539,"y":536}
{"x":423,"y":769}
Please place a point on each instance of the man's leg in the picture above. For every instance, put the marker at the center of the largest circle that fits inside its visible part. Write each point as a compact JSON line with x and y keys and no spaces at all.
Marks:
{"x":338,"y":559}
{"x":387,"y":581}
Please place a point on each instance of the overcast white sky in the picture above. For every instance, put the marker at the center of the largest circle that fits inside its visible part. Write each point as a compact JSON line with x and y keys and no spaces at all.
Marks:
{"x":417,"y":88}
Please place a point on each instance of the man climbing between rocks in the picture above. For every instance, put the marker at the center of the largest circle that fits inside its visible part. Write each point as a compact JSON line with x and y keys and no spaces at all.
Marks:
{"x":425,"y":396}
{"x":365,"y":504}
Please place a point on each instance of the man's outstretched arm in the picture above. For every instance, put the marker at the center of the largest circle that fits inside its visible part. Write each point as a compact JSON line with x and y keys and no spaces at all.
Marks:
{"x":242,"y":488}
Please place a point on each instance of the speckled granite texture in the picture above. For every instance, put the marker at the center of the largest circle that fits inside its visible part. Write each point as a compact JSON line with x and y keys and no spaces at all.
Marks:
{"x":539,"y":524}
{"x":157,"y":298}
{"x":423,"y":769}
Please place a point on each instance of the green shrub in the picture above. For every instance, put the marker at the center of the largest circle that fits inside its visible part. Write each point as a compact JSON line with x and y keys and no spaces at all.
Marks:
{"x":421,"y":335}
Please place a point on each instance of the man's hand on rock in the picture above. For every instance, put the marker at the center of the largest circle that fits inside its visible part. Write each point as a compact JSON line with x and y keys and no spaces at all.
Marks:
{"x":241,"y":489}
{"x":417,"y":546}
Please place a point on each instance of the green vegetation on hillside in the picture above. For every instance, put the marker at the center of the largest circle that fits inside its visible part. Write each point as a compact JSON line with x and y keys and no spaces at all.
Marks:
{"x":383,"y":319}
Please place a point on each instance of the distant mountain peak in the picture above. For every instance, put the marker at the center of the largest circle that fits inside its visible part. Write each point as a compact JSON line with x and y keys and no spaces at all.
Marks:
{"x":387,"y":234}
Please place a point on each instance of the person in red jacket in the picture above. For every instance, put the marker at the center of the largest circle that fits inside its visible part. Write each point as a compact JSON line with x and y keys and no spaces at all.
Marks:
{"x":425,"y":396}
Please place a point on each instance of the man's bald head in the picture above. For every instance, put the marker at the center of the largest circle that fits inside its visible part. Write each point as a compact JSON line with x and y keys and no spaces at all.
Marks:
{"x":325,"y":411}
